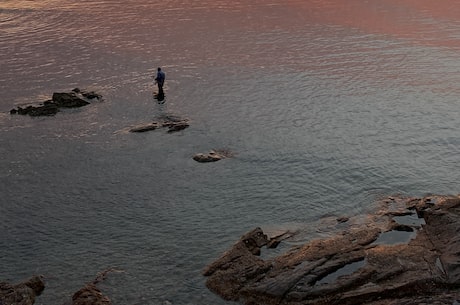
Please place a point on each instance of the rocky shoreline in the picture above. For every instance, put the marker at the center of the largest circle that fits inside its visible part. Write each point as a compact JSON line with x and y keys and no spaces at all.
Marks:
{"x":407,"y":253}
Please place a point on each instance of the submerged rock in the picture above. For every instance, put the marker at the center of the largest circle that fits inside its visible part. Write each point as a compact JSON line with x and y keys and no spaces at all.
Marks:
{"x":145,"y":127}
{"x":172,"y":124}
{"x":73,"y":99}
{"x":176,"y":126}
{"x":354,"y":266}
{"x":23,"y":293}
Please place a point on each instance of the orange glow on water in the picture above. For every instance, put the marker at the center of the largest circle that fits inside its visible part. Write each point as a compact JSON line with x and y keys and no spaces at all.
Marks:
{"x":420,"y":21}
{"x":423,"y":22}
{"x":29,"y":4}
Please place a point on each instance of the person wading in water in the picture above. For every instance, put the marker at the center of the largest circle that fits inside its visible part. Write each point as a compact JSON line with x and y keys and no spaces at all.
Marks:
{"x":160,"y":80}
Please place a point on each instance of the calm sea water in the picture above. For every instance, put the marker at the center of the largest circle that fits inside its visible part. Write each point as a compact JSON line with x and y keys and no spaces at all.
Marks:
{"x":329,"y":106}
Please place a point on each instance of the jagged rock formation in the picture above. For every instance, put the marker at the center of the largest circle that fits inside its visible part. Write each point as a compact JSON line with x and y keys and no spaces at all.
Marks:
{"x":73,"y":99}
{"x":23,"y":293}
{"x":407,"y":254}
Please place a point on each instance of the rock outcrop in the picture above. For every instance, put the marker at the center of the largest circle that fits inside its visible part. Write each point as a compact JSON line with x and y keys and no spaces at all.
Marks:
{"x":243,"y":256}
{"x":23,"y":293}
{"x":90,"y":294}
{"x":213,"y":155}
{"x":408,"y":253}
{"x":72,"y":99}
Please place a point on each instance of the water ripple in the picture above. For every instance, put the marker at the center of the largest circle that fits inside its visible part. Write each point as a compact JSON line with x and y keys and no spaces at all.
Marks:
{"x":327,"y":105}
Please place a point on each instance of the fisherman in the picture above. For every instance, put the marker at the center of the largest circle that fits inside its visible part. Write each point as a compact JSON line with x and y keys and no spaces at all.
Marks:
{"x":160,"y":80}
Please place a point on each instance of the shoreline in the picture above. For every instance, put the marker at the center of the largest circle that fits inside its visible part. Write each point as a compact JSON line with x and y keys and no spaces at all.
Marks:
{"x":362,"y":263}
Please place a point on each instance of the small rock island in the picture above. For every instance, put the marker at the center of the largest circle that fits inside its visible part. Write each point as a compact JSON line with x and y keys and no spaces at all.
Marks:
{"x":173,"y":124}
{"x":213,"y":156}
{"x":73,"y":99}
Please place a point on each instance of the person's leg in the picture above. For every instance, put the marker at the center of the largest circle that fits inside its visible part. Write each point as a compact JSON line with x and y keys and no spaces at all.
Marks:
{"x":161,"y":94}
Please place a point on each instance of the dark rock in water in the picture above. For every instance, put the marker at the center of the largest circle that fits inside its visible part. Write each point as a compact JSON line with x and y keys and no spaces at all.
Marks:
{"x":23,"y":293}
{"x":146,"y":127}
{"x":342,"y":219}
{"x":68,"y":100}
{"x":46,"y":109}
{"x":177,"y":126}
{"x":209,"y":157}
{"x":349,"y":267}
{"x":90,"y":294}
{"x":213,"y":156}
{"x":89,"y":95}
{"x":173,"y":125}
{"x":75,"y":98}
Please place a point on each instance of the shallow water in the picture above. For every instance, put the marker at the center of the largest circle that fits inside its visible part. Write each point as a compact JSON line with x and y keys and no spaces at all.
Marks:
{"x":328,"y":106}
{"x":343,"y":271}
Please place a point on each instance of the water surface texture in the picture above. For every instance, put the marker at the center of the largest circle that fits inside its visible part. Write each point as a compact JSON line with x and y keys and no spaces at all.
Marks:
{"x":329,"y":105}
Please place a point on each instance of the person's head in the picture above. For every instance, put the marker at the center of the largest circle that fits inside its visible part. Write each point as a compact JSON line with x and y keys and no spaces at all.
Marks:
{"x":159,"y":69}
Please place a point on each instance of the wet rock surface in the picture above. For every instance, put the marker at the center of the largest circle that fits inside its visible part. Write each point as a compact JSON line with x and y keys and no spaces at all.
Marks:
{"x":26,"y":292}
{"x":172,"y":124}
{"x":23,"y":293}
{"x":73,"y":99}
{"x":213,"y":155}
{"x":90,"y":294}
{"x":243,"y":256}
{"x":407,"y":253}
